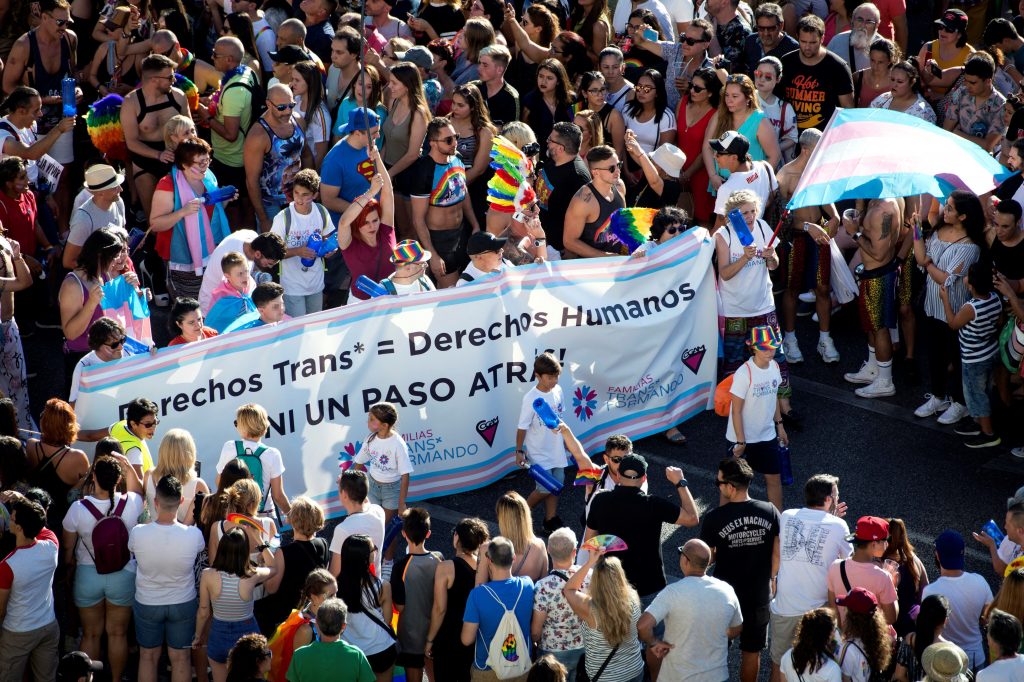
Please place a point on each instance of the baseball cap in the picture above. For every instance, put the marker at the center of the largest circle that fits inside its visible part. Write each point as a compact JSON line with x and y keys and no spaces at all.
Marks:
{"x":869,"y":529}
{"x":953,"y":20}
{"x":289,"y":54}
{"x":360,"y":119}
{"x":484,"y":242}
{"x":859,"y":600}
{"x":633,"y":466}
{"x":950,"y":548}
{"x":731,"y":142}
{"x":77,"y":664}
{"x":418,"y":55}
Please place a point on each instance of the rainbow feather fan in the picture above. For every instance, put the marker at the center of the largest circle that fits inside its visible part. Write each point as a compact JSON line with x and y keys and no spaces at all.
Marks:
{"x":245,"y":520}
{"x":190,"y":90}
{"x":104,"y":125}
{"x":510,"y":170}
{"x":631,"y":226}
{"x":587,"y":477}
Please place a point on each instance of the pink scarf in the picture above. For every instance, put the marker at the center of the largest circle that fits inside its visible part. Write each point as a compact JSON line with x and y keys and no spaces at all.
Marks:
{"x":197,"y":226}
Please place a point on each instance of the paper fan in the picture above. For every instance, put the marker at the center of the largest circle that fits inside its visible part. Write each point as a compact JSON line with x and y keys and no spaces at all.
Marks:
{"x":609,"y":543}
{"x":587,"y":477}
{"x":243,"y":520}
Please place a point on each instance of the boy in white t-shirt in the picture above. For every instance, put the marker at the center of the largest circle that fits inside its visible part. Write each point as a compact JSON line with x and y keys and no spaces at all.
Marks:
{"x":264,"y":462}
{"x":755,"y":419}
{"x":303,"y":284}
{"x":543,"y":445}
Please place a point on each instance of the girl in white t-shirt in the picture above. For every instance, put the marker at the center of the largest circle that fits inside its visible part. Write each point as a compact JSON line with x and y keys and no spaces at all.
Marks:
{"x":866,"y":645}
{"x":810,"y":659}
{"x":385,"y":457}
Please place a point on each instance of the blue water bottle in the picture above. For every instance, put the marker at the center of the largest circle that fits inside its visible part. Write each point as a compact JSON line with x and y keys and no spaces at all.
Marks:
{"x":541,"y":475}
{"x":330,"y":243}
{"x":393,"y":530}
{"x":740,"y":225}
{"x":546,"y":414}
{"x":219,"y":195}
{"x":786,"y":465}
{"x":992,"y":530}
{"x":369,"y":287}
{"x":67,"y":95}
{"x":312,"y":243}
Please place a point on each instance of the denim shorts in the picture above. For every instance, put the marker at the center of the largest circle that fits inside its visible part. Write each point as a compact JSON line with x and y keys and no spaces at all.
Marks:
{"x":175,"y":623}
{"x":558,"y":473}
{"x":224,"y":635}
{"x":91,"y":588}
{"x":385,"y":494}
{"x":976,"y":377}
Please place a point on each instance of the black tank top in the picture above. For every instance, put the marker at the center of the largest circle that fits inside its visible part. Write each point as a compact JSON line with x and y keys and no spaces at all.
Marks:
{"x":48,"y":84}
{"x":47,"y":478}
{"x":458,"y":595}
{"x":1009,"y":260}
{"x":607,"y":207}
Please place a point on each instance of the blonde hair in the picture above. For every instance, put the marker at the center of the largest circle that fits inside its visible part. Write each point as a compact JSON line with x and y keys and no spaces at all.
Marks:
{"x":515,"y":521}
{"x":252,"y":421}
{"x":518,"y":133}
{"x":176,"y":125}
{"x":594,"y":126}
{"x":176,"y":457}
{"x":608,"y":585}
{"x":306,"y":516}
{"x":244,"y":497}
{"x":740,"y":197}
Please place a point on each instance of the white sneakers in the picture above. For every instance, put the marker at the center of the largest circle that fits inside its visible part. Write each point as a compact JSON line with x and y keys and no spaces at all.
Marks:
{"x":878,"y":388}
{"x":865,"y":375}
{"x":791,"y":347}
{"x":807,"y":296}
{"x":954,"y":413}
{"x":931,"y":406}
{"x":827,"y":350}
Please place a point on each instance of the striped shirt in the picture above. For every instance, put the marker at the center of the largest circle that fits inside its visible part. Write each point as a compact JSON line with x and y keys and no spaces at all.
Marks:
{"x":979,"y":337}
{"x":628,"y":661}
{"x":953,"y":258}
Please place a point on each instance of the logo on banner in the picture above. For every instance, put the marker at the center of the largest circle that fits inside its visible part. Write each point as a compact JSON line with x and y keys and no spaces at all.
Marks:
{"x":692,"y":357}
{"x":584,"y":402}
{"x":488,"y":429}
{"x":348,"y":454}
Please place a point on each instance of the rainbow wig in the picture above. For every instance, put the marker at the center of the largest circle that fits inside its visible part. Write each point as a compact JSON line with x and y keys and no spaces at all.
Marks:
{"x":104,"y":125}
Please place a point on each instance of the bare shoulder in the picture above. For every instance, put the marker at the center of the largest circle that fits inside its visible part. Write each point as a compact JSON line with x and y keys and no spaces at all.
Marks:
{"x":584,"y":194}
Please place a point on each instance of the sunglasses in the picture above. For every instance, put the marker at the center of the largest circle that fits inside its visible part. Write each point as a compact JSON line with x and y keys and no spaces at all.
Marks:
{"x":698,"y":88}
{"x":673,"y":229}
{"x":114,"y":345}
{"x":735,"y":78}
{"x":150,"y":425}
{"x":692,"y":41}
{"x":617,"y":460}
{"x":719,"y":483}
{"x":644,"y":88}
{"x":445,"y":140}
{"x":285,"y":107}
{"x":612,"y":169}
{"x":764,"y":74}
{"x":62,"y":22}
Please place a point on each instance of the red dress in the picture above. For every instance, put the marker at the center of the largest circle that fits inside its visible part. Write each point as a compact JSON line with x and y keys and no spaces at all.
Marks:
{"x":691,"y":142}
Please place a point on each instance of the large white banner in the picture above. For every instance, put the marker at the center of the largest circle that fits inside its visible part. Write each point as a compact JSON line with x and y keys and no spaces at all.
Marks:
{"x":637,"y":337}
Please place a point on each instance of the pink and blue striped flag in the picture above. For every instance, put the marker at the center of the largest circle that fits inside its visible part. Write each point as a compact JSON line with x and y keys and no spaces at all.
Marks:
{"x":877,"y":153}
{"x":122,"y":302}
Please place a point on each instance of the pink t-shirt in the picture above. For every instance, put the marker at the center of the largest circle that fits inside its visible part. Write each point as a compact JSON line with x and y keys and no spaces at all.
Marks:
{"x":372,"y":261}
{"x":889,"y":9}
{"x":870,"y":576}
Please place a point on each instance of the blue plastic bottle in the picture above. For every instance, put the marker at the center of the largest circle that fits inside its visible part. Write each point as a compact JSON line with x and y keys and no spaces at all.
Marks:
{"x":546,"y":414}
{"x":313,"y":243}
{"x":219,"y":195}
{"x":393,"y":530}
{"x":330,"y":243}
{"x":740,"y":225}
{"x":786,"y":465}
{"x":67,"y":96}
{"x":541,"y":475}
{"x":369,"y":287}
{"x":992,"y":530}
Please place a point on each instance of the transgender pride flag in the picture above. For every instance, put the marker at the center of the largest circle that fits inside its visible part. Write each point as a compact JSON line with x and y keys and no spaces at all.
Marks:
{"x":123,"y":303}
{"x":877,"y":153}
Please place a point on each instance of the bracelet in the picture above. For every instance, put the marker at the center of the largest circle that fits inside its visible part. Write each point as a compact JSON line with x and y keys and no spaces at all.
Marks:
{"x":740,"y":442}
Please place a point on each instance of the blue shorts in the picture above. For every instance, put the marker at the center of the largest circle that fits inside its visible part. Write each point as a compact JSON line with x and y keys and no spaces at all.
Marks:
{"x":173,"y":623}
{"x":91,"y":588}
{"x":224,"y":635}
{"x":558,"y":473}
{"x":385,"y":494}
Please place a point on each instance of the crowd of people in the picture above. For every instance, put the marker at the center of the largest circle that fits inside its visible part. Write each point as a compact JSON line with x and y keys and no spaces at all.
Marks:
{"x":245,"y":164}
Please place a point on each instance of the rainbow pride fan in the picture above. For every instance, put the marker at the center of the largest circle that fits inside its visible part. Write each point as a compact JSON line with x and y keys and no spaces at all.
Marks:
{"x":246,"y":521}
{"x":587,"y":477}
{"x":190,"y":90}
{"x":504,"y":189}
{"x":104,"y":125}
{"x":609,"y":543}
{"x":631,"y":226}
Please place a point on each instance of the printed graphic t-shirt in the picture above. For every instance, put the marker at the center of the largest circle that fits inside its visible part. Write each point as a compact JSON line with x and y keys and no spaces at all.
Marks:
{"x":743,"y":537}
{"x":814,"y":91}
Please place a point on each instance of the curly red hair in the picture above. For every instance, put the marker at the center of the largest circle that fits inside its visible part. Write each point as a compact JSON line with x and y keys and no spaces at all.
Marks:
{"x":58,"y":424}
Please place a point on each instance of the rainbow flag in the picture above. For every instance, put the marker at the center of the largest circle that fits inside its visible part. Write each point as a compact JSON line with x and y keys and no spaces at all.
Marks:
{"x":123,"y":303}
{"x":877,"y":153}
{"x":587,"y":477}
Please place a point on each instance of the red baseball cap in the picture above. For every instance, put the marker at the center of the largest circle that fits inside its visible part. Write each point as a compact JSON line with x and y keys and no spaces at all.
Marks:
{"x":859,"y":600}
{"x":869,"y":529}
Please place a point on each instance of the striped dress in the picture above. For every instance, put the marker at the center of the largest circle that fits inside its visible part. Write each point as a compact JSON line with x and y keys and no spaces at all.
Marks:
{"x":628,"y":661}
{"x":979,"y":337}
{"x":953,"y":258}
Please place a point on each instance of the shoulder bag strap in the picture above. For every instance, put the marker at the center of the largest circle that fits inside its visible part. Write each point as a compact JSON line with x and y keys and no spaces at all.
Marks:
{"x":522,"y":561}
{"x":605,"y":664}
{"x":842,"y":573}
{"x":386,"y":626}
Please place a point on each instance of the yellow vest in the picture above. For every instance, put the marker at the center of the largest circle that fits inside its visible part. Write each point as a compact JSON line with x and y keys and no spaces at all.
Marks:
{"x":129,"y":440}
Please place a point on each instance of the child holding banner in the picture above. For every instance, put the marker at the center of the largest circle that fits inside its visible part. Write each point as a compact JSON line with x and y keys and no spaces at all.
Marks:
{"x":544,"y":446}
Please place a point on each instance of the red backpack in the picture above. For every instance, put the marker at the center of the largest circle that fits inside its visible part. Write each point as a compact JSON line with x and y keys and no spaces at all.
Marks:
{"x":109,"y":537}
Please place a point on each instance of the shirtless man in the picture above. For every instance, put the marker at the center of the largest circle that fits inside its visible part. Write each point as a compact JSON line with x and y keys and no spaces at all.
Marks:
{"x":14,"y":276}
{"x":206,"y":78}
{"x":878,"y":238}
{"x":441,"y":204}
{"x":143,"y":115}
{"x":809,"y":260}
{"x":593,"y":204}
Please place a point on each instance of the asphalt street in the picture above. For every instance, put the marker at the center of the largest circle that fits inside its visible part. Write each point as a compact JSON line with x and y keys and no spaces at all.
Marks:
{"x":889,"y":462}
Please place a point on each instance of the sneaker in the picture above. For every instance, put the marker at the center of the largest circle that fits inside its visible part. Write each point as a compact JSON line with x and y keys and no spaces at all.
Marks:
{"x":552,"y":524}
{"x":931,"y":406}
{"x":385,"y":570}
{"x":808,"y":297}
{"x":954,"y":413}
{"x":836,"y":309}
{"x":827,"y":350}
{"x":791,"y":348}
{"x":983,"y":440}
{"x":967,"y":427}
{"x":865,"y":375}
{"x":876,"y":389}
{"x":1018,"y":452}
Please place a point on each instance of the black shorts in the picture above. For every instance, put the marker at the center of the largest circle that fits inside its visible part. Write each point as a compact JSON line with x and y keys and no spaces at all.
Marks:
{"x":754,"y":637}
{"x":229,"y":175}
{"x":450,"y":245}
{"x":383,"y":660}
{"x":763,"y":457}
{"x":407,"y":660}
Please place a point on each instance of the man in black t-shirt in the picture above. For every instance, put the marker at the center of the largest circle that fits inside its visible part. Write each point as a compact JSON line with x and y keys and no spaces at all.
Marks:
{"x":636,"y":517}
{"x":814,"y":80}
{"x":563,"y":173}
{"x":744,"y":538}
{"x":501,"y":98}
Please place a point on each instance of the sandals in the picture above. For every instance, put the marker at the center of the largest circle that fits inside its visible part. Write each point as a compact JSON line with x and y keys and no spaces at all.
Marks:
{"x":676,"y":438}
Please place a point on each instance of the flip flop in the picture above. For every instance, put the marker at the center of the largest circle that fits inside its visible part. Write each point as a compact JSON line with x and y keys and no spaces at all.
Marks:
{"x":676,"y":439}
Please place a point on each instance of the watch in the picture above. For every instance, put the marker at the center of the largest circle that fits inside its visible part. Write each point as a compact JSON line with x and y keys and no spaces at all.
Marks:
{"x":682,"y":483}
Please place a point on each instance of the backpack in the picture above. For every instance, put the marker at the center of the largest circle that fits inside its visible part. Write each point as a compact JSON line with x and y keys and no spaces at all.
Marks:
{"x":723,"y":394}
{"x":109,"y":537}
{"x":508,"y":654}
{"x":255,"y":464}
{"x":257,"y":100}
{"x":324,"y":222}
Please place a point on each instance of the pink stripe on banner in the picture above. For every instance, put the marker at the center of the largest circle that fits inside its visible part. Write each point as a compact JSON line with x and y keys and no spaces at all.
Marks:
{"x":524,"y":277}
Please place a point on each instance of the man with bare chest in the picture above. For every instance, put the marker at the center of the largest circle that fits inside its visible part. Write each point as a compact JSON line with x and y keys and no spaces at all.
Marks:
{"x":143,"y":115}
{"x":807,"y":262}
{"x":14,"y":276}
{"x":877,"y":237}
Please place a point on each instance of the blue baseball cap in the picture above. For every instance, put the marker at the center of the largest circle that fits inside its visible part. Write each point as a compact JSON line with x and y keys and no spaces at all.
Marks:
{"x":360,"y":118}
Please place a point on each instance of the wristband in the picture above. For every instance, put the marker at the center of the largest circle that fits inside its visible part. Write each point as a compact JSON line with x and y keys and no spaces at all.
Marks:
{"x":778,"y":422}
{"x":741,"y":443}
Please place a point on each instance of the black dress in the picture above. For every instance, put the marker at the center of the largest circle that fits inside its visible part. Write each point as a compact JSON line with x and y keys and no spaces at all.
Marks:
{"x":452,"y":659}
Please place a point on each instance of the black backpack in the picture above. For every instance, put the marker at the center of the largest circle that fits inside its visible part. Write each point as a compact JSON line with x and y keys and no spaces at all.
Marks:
{"x":257,"y":101}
